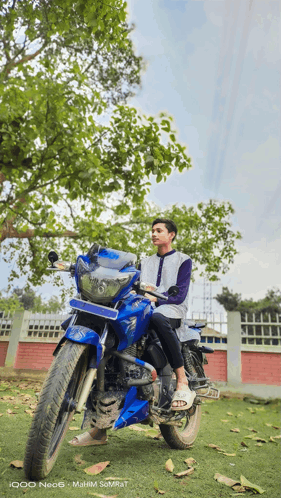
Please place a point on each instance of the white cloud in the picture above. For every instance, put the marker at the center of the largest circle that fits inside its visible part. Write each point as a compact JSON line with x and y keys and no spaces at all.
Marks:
{"x":255,"y":270}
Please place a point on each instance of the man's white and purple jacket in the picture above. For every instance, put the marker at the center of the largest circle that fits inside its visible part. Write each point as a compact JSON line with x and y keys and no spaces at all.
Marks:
{"x":174,"y":268}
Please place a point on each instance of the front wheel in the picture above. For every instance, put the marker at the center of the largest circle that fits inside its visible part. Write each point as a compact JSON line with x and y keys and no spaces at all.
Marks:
{"x":55,"y":409}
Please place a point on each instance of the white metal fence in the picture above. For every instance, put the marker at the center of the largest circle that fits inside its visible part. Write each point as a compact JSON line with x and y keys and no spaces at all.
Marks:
{"x":257,"y":329}
{"x":6,"y":321}
{"x":261,"y":329}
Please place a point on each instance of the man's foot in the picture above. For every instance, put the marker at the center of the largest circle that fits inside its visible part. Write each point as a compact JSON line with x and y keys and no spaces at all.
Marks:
{"x":91,"y":438}
{"x":183,"y":398}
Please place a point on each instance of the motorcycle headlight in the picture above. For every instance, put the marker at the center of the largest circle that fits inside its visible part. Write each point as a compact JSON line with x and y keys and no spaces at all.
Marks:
{"x":103,"y":288}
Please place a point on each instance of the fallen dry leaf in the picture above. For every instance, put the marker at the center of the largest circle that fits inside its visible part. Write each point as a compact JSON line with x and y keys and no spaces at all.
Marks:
{"x":260,"y":439}
{"x":239,"y":488}
{"x":10,"y":412}
{"x":187,"y":472}
{"x":275,"y":427}
{"x":244,"y":444}
{"x":136,"y":428}
{"x":251,"y":410}
{"x":277,"y":437}
{"x":117,"y":478}
{"x":235,"y":429}
{"x":225,"y":480}
{"x":230,"y":454}
{"x":258,"y":444}
{"x":154,"y":434}
{"x":249,"y":485}
{"x":74,"y":428}
{"x":97,"y":468}
{"x":225,"y":421}
{"x":18,"y":464}
{"x":215,"y":447}
{"x":102,"y":496}
{"x":156,"y":487}
{"x":268,"y":425}
{"x":1,"y":414}
{"x":251,"y":429}
{"x":230,"y":414}
{"x":78,"y":459}
{"x":169,"y":466}
{"x":30,"y":412}
{"x":190,"y":461}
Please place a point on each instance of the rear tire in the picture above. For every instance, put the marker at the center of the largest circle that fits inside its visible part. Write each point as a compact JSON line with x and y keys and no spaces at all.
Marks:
{"x":56,"y":407}
{"x":181,"y":438}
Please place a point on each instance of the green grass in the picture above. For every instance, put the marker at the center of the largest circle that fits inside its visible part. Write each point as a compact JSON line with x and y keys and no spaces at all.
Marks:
{"x":141,"y":459}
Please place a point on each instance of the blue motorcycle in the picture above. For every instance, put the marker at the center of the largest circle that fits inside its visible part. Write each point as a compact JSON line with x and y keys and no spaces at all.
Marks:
{"x":110,"y":363}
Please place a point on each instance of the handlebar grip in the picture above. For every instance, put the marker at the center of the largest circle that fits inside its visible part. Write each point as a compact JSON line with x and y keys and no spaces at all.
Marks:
{"x":157,"y":294}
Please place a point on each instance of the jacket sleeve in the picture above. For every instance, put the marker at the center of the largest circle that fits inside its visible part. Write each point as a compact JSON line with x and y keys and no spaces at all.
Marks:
{"x":183,"y":281}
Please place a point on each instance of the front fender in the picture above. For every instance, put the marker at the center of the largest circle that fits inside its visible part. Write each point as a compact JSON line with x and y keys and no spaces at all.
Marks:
{"x":84,"y":335}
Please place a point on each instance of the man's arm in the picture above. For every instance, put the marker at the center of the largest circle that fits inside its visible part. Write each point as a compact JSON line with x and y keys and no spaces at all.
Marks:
{"x":183,"y":281}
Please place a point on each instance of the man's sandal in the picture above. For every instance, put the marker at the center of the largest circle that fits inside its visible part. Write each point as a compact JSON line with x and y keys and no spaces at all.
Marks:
{"x":187,"y":396}
{"x":86,"y":439}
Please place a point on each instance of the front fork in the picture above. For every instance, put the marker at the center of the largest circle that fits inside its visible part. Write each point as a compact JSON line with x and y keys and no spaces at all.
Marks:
{"x":91,"y":375}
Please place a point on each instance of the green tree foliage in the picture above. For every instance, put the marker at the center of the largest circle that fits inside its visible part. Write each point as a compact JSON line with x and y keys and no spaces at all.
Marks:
{"x":75,"y":160}
{"x":228,"y":299}
{"x":271,"y":303}
{"x":27,"y":299}
{"x":10,"y":303}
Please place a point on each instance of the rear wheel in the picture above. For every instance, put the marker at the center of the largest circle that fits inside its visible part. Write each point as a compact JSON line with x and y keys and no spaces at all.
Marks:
{"x":55,"y":409}
{"x":181,"y":438}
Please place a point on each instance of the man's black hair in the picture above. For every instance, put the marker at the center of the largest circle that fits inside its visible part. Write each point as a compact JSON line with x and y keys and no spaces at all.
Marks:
{"x":169,"y":224}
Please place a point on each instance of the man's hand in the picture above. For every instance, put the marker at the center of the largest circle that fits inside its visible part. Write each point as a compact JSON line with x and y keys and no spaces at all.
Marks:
{"x":153,"y":299}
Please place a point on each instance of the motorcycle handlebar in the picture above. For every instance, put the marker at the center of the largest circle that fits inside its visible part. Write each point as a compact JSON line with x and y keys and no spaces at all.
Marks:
{"x":157,"y":294}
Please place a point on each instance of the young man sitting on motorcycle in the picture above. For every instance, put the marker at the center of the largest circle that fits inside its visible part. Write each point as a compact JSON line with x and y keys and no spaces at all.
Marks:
{"x":165,"y":268}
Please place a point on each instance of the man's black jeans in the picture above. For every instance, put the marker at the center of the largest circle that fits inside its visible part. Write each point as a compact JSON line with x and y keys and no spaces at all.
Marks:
{"x":164,"y":326}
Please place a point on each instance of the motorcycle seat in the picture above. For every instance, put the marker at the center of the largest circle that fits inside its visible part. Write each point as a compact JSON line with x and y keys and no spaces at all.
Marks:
{"x":192,"y":323}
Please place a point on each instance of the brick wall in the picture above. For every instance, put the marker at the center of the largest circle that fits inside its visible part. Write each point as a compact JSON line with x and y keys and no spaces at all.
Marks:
{"x":34,"y":355}
{"x":261,"y":368}
{"x":217,"y":366}
{"x":3,"y":351}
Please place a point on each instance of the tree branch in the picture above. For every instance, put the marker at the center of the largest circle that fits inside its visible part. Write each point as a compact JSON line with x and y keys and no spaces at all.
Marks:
{"x":8,"y":231}
{"x":26,"y":58}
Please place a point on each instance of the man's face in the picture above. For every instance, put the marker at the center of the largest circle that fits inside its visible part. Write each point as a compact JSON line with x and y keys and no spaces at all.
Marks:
{"x":160,"y":235}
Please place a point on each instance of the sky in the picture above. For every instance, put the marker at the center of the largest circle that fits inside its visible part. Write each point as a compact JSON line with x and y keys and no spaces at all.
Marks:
{"x":214,"y":66}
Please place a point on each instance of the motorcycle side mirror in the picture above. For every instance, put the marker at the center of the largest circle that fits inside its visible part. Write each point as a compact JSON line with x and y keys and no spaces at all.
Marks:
{"x":173,"y":290}
{"x":52,"y":257}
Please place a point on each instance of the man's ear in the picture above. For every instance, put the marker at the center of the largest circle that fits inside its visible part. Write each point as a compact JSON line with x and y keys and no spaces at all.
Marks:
{"x":173,"y":235}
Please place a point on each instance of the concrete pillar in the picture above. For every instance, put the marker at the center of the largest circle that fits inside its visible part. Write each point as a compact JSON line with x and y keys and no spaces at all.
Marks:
{"x":20,"y":322}
{"x":233,"y":347}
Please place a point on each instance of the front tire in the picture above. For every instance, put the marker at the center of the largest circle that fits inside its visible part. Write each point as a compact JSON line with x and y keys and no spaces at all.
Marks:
{"x":56,"y":407}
